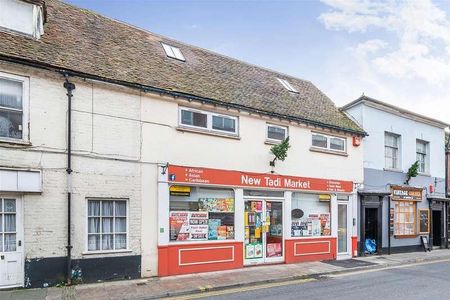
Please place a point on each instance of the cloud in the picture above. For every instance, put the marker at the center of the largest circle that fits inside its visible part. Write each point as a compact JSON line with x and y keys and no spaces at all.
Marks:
{"x":422,"y":35}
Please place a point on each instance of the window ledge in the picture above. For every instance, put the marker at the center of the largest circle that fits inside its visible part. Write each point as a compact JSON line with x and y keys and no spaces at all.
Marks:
{"x":12,"y":142}
{"x":393,"y":170}
{"x":178,"y":243}
{"x":314,"y":149}
{"x":425,"y":174}
{"x":406,"y":236}
{"x":207,"y":132}
{"x":272,"y":142}
{"x":106,"y":252}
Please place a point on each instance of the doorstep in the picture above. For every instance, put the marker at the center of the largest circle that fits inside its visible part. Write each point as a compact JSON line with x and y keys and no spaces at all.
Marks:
{"x":172,"y":286}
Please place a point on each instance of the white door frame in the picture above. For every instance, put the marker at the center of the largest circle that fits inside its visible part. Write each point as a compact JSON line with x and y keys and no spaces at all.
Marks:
{"x":348,"y":253}
{"x":20,"y":250}
{"x":264,"y":259}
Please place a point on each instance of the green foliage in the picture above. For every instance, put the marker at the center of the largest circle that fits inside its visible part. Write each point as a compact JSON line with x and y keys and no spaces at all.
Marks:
{"x":280,"y":150}
{"x":413,"y":171}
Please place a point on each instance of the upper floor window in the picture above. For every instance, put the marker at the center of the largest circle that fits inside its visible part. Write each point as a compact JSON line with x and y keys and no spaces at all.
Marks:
{"x":13,"y":98}
{"x":173,"y":52}
{"x":328,"y":142}
{"x":391,"y":150}
{"x":208,"y":120}
{"x":276,"y":133}
{"x":22,"y":17}
{"x":422,"y":155}
{"x":287,"y":85}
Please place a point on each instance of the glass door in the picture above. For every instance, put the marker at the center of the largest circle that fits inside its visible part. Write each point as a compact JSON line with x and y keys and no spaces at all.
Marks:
{"x":343,"y":237}
{"x":253,"y":223}
{"x":274,"y":231}
{"x":11,"y":265}
{"x":263,"y":221}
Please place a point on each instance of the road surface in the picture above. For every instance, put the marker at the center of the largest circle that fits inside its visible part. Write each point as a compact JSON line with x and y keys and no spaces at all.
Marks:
{"x":419,"y":281}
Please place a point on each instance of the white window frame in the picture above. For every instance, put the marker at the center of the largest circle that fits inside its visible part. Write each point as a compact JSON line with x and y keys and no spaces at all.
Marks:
{"x":427,"y":156}
{"x":399,"y":148}
{"x":173,"y":52}
{"x":209,"y":117}
{"x":329,"y":137}
{"x":287,"y":85}
{"x":25,"y":106}
{"x":286,"y":128}
{"x":127,"y":249}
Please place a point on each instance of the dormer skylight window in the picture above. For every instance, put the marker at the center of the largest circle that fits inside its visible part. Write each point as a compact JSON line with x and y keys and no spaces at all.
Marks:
{"x":21,"y":17}
{"x":173,"y":52}
{"x":287,"y":85}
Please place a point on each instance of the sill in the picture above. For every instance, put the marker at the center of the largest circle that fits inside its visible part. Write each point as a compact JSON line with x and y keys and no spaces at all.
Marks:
{"x":326,"y":151}
{"x":272,"y":142}
{"x":106,"y":252}
{"x":393,"y":170}
{"x":424,"y":174}
{"x":411,"y":236}
{"x":207,"y":132}
{"x":14,"y":142}
{"x":178,"y":243}
{"x":310,"y":237}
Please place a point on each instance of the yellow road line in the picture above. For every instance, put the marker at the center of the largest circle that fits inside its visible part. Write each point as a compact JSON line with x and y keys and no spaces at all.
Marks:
{"x":388,"y":268}
{"x":242,"y":289}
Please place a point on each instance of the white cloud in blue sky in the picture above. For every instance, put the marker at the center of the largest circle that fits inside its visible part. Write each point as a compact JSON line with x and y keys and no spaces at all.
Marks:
{"x":410,"y":68}
{"x":395,"y":51}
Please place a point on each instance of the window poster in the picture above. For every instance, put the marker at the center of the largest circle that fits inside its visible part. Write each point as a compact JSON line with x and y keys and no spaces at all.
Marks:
{"x":187,"y":225}
{"x":179,"y":225}
{"x":216,"y":204}
{"x":254,"y":250}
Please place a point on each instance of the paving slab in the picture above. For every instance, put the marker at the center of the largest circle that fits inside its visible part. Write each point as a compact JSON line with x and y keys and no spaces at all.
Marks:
{"x":157,"y":288}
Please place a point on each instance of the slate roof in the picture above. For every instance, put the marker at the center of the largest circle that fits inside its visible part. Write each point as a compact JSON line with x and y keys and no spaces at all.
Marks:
{"x":82,"y":41}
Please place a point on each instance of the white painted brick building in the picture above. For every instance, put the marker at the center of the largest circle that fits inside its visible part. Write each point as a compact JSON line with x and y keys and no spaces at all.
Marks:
{"x":135,"y":118}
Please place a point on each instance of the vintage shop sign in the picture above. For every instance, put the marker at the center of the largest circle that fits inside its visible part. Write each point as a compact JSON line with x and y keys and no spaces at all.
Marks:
{"x":406,"y":193}
{"x":193,"y":175}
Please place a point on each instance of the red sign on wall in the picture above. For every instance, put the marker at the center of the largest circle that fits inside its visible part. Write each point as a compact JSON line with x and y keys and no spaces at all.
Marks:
{"x":193,"y":175}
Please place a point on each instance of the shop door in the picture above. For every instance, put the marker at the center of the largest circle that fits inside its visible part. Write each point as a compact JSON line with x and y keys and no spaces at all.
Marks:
{"x":11,"y":260}
{"x":263,"y":231}
{"x":344,"y":239}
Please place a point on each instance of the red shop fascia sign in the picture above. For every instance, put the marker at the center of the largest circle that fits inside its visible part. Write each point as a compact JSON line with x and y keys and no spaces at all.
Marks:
{"x":207,"y":176}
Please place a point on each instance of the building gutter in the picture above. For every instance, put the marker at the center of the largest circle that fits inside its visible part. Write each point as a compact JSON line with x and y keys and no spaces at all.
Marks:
{"x":175,"y":94}
{"x":69,"y":86}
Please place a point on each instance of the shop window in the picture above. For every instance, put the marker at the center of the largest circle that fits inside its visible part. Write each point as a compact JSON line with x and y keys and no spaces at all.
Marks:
{"x":422,"y":155}
{"x":276,"y":133}
{"x":13,"y":100}
{"x":200,"y":214}
{"x":310,"y":215}
{"x":107,"y":225}
{"x":327,"y":142}
{"x":208,"y":121}
{"x":391,"y":150}
{"x":405,"y":218}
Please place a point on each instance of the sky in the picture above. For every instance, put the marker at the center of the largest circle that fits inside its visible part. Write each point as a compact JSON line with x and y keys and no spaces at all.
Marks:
{"x":395,"y":51}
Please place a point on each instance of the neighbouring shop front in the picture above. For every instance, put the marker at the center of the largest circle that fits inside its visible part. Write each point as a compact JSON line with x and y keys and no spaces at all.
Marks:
{"x":395,"y":220}
{"x":211,"y":219}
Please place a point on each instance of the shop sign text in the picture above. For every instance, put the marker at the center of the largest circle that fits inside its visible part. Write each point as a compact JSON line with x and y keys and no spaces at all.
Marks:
{"x":181,"y":174}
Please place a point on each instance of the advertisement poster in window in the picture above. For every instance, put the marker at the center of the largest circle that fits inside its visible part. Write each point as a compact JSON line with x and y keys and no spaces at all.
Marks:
{"x":186,"y":225}
{"x":179,"y":225}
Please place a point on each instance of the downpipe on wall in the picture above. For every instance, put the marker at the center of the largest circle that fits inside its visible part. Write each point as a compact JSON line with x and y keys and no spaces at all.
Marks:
{"x":69,"y":86}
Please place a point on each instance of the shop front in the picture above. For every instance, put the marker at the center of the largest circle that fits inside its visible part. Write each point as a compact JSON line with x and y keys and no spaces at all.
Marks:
{"x":395,"y":220}
{"x":212,"y":219}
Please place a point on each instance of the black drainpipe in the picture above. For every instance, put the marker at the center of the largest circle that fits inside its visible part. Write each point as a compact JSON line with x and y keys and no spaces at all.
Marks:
{"x":69,"y":86}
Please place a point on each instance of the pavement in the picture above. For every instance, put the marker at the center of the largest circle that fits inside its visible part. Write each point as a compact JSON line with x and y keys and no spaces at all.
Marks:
{"x":175,"y":286}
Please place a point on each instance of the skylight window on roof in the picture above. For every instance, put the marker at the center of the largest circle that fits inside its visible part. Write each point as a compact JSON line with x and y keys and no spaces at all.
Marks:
{"x":287,"y":85}
{"x":173,"y":52}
